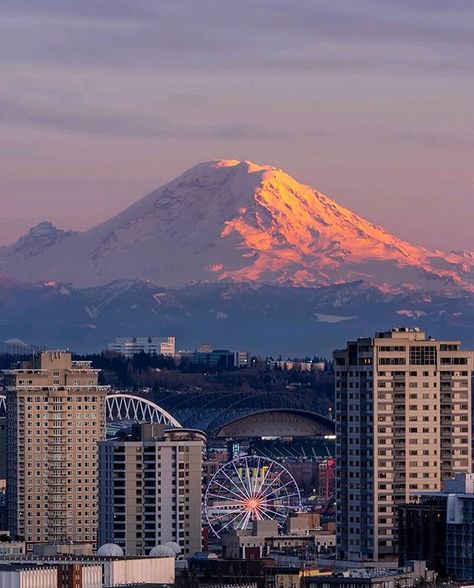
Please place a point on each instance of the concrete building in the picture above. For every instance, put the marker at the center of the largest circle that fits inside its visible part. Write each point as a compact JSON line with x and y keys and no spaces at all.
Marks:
{"x":151,"y":571}
{"x":58,"y":549}
{"x":249,"y":543}
{"x":422,"y":532}
{"x":150,"y":489}
{"x":439,"y":528}
{"x":56,"y":415}
{"x":264,"y":539}
{"x":460,"y":529}
{"x":99,"y":571}
{"x":47,"y":575}
{"x":403,"y":424}
{"x":11,"y":548}
{"x":129,"y":346}
{"x":414,"y":574}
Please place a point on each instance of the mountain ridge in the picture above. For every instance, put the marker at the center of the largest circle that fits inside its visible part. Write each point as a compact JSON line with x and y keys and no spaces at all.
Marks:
{"x":265,"y":319}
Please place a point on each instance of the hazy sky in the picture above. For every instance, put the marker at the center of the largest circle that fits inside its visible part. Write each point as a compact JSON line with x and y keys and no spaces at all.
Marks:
{"x":371,"y":101}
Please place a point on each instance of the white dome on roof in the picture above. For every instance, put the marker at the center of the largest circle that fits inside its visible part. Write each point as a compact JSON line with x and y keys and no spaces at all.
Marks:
{"x":174,"y":546}
{"x":110,"y":550}
{"x":162,"y":551}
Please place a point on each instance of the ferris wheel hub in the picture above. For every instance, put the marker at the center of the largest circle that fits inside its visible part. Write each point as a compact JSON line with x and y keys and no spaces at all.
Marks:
{"x":253,"y":504}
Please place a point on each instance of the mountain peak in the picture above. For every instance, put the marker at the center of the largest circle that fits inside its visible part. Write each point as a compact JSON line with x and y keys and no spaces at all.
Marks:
{"x":234,"y":220}
{"x":42,"y":228}
{"x":40,"y":237}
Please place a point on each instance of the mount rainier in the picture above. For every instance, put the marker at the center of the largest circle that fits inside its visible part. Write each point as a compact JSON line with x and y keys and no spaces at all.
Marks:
{"x":235,"y":221}
{"x":237,"y":253}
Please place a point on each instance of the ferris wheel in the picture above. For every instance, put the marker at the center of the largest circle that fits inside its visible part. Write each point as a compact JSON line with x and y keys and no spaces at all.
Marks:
{"x":250,"y":488}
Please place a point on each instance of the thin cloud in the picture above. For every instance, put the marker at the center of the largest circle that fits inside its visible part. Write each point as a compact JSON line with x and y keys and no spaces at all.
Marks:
{"x":213,"y":35}
{"x":104,"y":123}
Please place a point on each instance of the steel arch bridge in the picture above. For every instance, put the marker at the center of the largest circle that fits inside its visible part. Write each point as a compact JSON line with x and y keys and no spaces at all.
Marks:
{"x":125,"y":407}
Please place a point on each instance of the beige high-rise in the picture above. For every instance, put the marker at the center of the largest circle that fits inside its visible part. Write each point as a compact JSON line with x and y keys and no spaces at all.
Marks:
{"x":150,"y":489}
{"x":403,"y":424}
{"x":56,"y":416}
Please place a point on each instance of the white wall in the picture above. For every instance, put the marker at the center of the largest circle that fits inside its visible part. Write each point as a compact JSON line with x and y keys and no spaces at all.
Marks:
{"x":153,"y":569}
{"x":41,"y":578}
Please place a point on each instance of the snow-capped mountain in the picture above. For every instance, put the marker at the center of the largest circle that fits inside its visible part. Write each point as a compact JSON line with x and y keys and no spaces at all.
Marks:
{"x":238,"y":221}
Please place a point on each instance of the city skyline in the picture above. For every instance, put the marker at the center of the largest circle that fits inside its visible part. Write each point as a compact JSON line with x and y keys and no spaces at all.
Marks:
{"x":368,"y":102}
{"x":236,"y":294}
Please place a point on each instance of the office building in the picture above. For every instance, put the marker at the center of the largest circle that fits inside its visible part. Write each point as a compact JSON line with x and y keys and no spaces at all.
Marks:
{"x":460,"y":530}
{"x":129,"y":346}
{"x":150,"y":489}
{"x":422,"y":531}
{"x":56,"y":415}
{"x":403,"y":425}
{"x":438,"y":527}
{"x":211,"y":358}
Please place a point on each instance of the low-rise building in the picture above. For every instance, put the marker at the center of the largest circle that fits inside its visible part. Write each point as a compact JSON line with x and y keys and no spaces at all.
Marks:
{"x":52,"y":549}
{"x":96,"y":571}
{"x":248,"y":543}
{"x":211,"y":358}
{"x":49,"y":575}
{"x":264,"y":539}
{"x":407,"y":577}
{"x":129,"y":346}
{"x":307,"y":546}
{"x":8,"y":548}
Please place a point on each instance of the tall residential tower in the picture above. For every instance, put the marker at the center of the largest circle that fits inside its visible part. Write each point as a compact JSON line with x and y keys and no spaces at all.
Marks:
{"x":56,"y":415}
{"x":150,"y":489}
{"x":403,"y":424}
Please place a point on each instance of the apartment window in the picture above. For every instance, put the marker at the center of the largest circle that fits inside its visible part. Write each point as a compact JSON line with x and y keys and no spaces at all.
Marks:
{"x":453,"y":361}
{"x":422,"y":355}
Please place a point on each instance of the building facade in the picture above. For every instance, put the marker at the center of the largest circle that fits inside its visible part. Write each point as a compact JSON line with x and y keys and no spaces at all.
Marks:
{"x":86,"y":572}
{"x":438,"y":527}
{"x":129,"y":346}
{"x":211,"y":358}
{"x":150,"y":489}
{"x":403,"y":425}
{"x":460,"y":536}
{"x":413,"y":575}
{"x":50,"y":576}
{"x":422,"y":532}
{"x":56,"y":415}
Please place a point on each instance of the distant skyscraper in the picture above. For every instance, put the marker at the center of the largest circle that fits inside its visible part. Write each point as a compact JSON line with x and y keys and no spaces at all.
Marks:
{"x":56,"y":415}
{"x":403,"y":424}
{"x":129,"y":346}
{"x":150,"y":489}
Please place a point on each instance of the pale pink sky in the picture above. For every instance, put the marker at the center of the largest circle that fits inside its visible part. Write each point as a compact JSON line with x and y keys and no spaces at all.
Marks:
{"x":369,"y":101}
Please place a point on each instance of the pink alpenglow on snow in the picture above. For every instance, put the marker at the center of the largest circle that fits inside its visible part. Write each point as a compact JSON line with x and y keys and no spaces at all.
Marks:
{"x":238,"y":221}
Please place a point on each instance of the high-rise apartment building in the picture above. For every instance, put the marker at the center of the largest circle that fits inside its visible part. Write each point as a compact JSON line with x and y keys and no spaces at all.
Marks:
{"x":129,"y":346}
{"x":150,"y":489}
{"x":403,"y":424}
{"x":56,"y":415}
